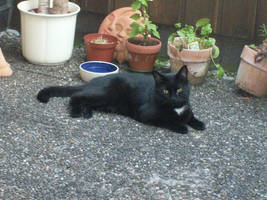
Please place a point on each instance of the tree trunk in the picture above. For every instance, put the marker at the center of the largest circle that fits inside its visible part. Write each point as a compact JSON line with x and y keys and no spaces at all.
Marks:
{"x":53,"y":6}
{"x":43,"y":6}
{"x":59,"y":7}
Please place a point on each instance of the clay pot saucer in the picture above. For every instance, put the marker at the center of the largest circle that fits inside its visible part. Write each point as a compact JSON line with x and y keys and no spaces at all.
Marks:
{"x":117,"y":24}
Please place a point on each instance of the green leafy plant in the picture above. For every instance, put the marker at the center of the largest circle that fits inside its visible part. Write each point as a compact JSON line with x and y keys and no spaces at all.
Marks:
{"x":142,"y":25}
{"x":199,"y":33}
{"x":162,"y":62}
{"x":263,"y":31}
{"x":262,"y":48}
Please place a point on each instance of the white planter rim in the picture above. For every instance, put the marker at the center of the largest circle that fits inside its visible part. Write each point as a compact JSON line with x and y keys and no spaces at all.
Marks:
{"x":74,"y":10}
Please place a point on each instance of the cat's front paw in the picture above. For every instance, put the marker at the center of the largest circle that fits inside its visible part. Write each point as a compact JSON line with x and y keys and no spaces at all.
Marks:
{"x":182,"y":130}
{"x":75,"y":113}
{"x":201,"y":126}
{"x":196,"y":124}
{"x":87,"y":113}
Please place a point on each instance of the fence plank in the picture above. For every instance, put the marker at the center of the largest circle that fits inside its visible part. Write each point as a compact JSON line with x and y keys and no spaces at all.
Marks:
{"x":238,"y":18}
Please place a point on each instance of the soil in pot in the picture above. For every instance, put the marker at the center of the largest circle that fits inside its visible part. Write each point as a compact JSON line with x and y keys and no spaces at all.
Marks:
{"x":142,"y":42}
{"x":101,"y":40}
{"x":100,"y":47}
{"x":142,"y":56}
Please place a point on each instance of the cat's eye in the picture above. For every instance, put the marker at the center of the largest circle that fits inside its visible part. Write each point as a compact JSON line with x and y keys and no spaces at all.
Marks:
{"x":165,"y":92}
{"x":179,"y":90}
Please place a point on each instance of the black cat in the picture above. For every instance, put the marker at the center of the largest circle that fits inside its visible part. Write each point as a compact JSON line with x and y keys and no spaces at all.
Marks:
{"x":159,"y":100}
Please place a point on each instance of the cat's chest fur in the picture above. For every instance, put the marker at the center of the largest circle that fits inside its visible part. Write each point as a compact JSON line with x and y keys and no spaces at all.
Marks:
{"x":181,"y":110}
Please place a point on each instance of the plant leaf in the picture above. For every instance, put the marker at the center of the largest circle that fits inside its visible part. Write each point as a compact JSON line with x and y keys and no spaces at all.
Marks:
{"x":178,"y":25}
{"x":212,"y":41}
{"x":180,"y":33}
{"x":136,"y":16}
{"x":206,"y":30}
{"x":136,"y":5}
{"x":153,"y":29}
{"x":156,"y":34}
{"x":220,"y":72}
{"x":144,"y":2}
{"x":171,"y":37}
{"x":215,"y":52}
{"x":253,"y":46}
{"x":151,"y":26}
{"x":202,"y":22}
{"x":136,"y":29}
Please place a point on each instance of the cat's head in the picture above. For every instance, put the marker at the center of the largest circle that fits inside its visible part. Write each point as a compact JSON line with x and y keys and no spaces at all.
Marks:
{"x":172,"y":89}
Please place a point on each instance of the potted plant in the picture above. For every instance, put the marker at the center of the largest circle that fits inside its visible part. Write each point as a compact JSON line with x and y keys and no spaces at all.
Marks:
{"x":252,"y":71}
{"x":100,"y":47}
{"x":142,"y":48}
{"x":47,"y":38}
{"x":193,"y":46}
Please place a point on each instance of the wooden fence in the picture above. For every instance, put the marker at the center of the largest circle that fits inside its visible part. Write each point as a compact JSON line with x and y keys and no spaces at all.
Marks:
{"x":231,"y":18}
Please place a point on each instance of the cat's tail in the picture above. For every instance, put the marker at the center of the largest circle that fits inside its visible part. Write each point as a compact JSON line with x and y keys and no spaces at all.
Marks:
{"x":56,"y":91}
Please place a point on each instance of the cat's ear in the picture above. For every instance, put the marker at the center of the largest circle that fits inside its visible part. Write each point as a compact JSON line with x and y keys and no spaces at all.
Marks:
{"x":182,"y":73}
{"x":159,"y":78}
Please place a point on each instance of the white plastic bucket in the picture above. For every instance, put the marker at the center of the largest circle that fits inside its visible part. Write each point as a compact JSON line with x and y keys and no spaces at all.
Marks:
{"x":47,"y":38}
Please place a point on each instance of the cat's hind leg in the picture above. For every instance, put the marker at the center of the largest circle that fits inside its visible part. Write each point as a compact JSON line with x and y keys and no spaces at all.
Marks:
{"x":82,"y":103}
{"x":76,"y":107}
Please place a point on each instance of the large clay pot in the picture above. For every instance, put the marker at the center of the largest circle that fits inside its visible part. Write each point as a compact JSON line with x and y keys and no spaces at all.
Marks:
{"x":142,"y":58}
{"x":197,"y":61}
{"x":117,"y":23}
{"x":100,"y":52}
{"x":5,"y":69}
{"x":251,"y":76}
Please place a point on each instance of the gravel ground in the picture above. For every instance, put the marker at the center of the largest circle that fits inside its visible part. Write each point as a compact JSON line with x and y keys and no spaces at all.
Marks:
{"x":44,"y":154}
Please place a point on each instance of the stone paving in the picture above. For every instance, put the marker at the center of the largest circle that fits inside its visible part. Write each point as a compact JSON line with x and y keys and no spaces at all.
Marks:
{"x":45,"y":154}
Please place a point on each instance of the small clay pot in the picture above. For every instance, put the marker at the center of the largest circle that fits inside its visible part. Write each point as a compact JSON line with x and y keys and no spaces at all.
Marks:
{"x":100,"y":52}
{"x":142,"y":58}
{"x":251,"y":76}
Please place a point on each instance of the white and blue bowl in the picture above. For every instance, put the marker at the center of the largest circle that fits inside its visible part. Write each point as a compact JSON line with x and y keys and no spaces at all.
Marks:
{"x":93,"y":69}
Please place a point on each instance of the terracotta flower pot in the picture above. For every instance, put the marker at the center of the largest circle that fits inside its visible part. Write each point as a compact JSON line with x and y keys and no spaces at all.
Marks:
{"x":5,"y":69}
{"x":251,"y":76}
{"x":197,"y":61}
{"x":100,"y":52}
{"x":142,"y":58}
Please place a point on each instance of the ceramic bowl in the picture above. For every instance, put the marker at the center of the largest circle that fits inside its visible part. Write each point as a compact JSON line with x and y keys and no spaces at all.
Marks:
{"x":93,"y":69}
